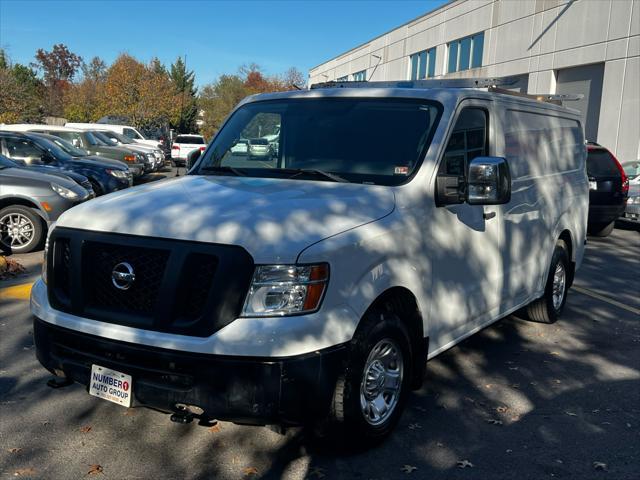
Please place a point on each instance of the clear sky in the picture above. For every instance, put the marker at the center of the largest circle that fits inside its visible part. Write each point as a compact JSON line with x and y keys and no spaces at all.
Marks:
{"x":216,"y":36}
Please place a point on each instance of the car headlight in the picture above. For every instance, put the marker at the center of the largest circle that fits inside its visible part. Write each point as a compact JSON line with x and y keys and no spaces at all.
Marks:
{"x":633,"y":200}
{"x":64,"y":192}
{"x":278,"y":290}
{"x":118,"y":173}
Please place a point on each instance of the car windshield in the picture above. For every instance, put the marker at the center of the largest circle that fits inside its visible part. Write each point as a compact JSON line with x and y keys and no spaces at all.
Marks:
{"x":94,"y":140}
{"x":69,"y":147}
{"x":360,"y":140}
{"x":50,"y":146}
{"x":104,"y":138}
{"x":194,"y":139}
{"x":119,"y":138}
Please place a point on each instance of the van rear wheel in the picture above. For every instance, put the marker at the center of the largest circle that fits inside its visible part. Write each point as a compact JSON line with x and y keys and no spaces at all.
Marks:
{"x":371,"y":393}
{"x":548,"y":308}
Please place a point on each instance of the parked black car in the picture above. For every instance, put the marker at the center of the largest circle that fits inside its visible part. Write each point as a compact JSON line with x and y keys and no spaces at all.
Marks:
{"x":29,"y":202}
{"x":608,"y":190}
{"x":105,"y":175}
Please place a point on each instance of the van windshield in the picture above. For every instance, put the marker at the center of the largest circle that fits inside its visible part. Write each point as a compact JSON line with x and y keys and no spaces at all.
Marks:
{"x":360,"y":140}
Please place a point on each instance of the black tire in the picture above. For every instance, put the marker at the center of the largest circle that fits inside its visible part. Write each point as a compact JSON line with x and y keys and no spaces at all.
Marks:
{"x":97,"y":189}
{"x":543,"y":309}
{"x":601,"y":230}
{"x":36,"y":229}
{"x":347,"y":417}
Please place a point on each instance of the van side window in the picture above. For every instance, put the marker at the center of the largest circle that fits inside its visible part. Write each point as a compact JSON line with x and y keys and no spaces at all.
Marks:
{"x":468,"y":141}
{"x":129,"y":132}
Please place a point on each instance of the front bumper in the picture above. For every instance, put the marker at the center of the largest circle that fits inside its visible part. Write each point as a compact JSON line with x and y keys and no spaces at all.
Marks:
{"x":248,"y":390}
{"x":631,"y":213}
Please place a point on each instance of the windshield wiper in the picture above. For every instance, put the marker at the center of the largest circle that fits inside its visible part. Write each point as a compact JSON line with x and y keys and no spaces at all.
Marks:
{"x":223,"y":169}
{"x":313,"y":171}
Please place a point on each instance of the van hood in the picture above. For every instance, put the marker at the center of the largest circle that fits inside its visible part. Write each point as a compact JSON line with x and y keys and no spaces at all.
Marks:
{"x":273,"y":219}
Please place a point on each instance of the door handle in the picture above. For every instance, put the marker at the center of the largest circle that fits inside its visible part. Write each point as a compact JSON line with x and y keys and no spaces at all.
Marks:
{"x":488,"y":215}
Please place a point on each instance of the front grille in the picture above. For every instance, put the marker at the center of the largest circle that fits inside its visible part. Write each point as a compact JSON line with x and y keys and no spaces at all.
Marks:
{"x":190,"y":288}
{"x":148,"y":265}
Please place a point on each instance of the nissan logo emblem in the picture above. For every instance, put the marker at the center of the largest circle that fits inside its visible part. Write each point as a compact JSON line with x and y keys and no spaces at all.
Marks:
{"x":123,"y":276}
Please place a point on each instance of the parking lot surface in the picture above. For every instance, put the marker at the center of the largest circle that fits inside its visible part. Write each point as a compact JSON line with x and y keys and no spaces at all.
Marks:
{"x":518,"y":400}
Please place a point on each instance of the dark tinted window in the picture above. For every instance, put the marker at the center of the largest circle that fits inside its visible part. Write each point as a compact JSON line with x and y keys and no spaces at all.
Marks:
{"x":468,"y":141}
{"x":259,"y":141}
{"x":194,"y":139}
{"x":601,"y":164}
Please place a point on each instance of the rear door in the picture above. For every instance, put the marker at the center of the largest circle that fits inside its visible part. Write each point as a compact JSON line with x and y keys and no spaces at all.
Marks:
{"x":605,"y":180}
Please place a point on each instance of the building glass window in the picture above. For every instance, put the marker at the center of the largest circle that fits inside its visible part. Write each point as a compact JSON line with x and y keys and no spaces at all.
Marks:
{"x":423,"y":64}
{"x":360,"y":76}
{"x":342,"y":79}
{"x":465,"y":53}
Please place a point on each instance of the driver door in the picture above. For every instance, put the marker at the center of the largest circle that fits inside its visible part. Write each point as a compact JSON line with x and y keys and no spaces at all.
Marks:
{"x":23,"y":150}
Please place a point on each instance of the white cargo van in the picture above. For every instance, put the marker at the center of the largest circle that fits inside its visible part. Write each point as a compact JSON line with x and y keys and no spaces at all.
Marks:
{"x":393,"y":222}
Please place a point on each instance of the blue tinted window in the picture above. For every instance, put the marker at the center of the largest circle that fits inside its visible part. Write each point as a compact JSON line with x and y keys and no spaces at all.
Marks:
{"x":465,"y":53}
{"x":414,"y":66}
{"x":478,"y":45}
{"x":360,"y":76}
{"x":431,"y":71}
{"x":422,"y":73}
{"x":453,"y":57}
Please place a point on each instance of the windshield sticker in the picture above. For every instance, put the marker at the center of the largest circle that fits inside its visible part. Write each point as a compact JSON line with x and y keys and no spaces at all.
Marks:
{"x":400,"y":170}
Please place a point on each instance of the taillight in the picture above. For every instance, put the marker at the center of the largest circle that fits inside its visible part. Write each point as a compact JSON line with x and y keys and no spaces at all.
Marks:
{"x":202,"y":149}
{"x":625,"y":179}
{"x":129,"y":158}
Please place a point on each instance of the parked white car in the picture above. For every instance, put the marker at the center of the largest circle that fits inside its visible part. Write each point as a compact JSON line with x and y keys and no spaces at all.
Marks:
{"x":393,"y":224}
{"x":183,"y":144}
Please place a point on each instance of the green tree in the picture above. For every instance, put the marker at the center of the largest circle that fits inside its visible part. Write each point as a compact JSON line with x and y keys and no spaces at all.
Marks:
{"x":218,"y":99}
{"x":183,"y":81}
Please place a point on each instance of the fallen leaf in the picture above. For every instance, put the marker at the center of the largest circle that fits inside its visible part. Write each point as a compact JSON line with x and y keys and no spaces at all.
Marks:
{"x":571,"y":414}
{"x":317,"y":472}
{"x":408,"y":469}
{"x":494,"y":422}
{"x":559,"y":461}
{"x":45,"y":423}
{"x":557,"y":381}
{"x":14,"y":450}
{"x":508,"y":450}
{"x":24,"y":472}
{"x":214,"y":429}
{"x":605,"y":423}
{"x":414,"y":426}
{"x":600,"y":466}
{"x":95,"y":469}
{"x":464,"y":464}
{"x":554,"y":353}
{"x":502,"y":409}
{"x":130,"y":412}
{"x":248,"y":471}
{"x":85,"y":429}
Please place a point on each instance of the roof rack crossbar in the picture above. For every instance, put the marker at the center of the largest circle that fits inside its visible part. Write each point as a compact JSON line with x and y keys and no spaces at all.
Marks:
{"x":483,"y":82}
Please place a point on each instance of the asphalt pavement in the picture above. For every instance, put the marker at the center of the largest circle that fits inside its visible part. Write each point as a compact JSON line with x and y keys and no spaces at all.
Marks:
{"x":518,"y":400}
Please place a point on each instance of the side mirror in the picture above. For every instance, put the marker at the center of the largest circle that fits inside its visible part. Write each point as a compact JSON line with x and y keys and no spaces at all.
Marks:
{"x":489,"y":181}
{"x":193,"y":157}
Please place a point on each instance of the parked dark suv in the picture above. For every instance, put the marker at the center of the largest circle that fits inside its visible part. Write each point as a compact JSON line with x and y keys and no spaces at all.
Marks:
{"x":608,"y":190}
{"x":29,"y":202}
{"x":105,"y":175}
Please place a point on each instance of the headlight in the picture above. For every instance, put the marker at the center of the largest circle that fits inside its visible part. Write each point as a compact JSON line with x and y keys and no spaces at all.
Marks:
{"x":64,"y":192}
{"x":278,"y":290}
{"x":633,"y":200}
{"x":118,"y":173}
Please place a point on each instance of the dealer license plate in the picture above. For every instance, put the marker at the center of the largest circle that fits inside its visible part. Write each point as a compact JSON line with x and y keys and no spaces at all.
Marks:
{"x":111,"y":385}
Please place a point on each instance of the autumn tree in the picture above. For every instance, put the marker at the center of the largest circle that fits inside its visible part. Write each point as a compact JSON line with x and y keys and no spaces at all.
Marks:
{"x":138,"y":92}
{"x":184,"y":85}
{"x":82,"y":99}
{"x":58,"y":67}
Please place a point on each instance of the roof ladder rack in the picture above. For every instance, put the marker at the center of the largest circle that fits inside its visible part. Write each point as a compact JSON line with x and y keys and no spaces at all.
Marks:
{"x":432,"y":83}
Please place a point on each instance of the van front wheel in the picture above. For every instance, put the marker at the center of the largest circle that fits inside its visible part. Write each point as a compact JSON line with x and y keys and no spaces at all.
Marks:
{"x":547,"y":309}
{"x":371,"y":392}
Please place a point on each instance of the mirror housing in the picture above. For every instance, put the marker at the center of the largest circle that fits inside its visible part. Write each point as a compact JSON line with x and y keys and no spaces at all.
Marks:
{"x":489,"y":181}
{"x":192,"y":157}
{"x":449,"y":190}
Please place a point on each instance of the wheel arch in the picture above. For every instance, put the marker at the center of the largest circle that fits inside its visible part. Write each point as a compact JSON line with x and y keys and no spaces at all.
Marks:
{"x":402,"y":302}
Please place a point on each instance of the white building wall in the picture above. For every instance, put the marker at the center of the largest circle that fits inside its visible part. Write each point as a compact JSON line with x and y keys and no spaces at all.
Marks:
{"x":523,"y":37}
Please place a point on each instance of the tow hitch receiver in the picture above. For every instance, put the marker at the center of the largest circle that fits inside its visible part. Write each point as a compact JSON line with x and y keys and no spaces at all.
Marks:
{"x":59,"y":382}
